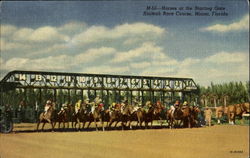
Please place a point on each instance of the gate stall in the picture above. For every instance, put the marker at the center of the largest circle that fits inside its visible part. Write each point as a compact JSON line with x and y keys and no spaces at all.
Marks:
{"x":27,"y":91}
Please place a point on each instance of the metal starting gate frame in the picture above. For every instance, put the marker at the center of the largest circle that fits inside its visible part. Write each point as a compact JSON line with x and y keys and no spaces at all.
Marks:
{"x":119,"y":86}
{"x":102,"y":82}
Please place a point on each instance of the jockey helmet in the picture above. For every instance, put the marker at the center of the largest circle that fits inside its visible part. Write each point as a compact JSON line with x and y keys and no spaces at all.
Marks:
{"x":48,"y":102}
{"x":185,"y":103}
{"x":101,"y":104}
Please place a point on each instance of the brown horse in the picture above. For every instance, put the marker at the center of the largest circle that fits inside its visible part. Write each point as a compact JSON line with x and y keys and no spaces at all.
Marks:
{"x":47,"y":118}
{"x":237,"y":110}
{"x":194,"y":115}
{"x":220,"y":111}
{"x":159,"y":112}
{"x":97,"y":115}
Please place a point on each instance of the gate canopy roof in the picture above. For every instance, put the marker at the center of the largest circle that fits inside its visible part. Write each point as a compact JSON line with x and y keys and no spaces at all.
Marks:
{"x":61,"y":80}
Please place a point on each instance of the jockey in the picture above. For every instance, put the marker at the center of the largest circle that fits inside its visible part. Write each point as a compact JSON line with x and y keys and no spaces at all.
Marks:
{"x":136,"y":102}
{"x":101,"y":106}
{"x":112,"y":107}
{"x":147,"y":106}
{"x":87,"y":105}
{"x":158,"y":104}
{"x":97,"y":100}
{"x":47,"y":106}
{"x":86,"y":101}
{"x":78,"y":106}
{"x":176,"y":105}
{"x":96,"y":103}
{"x":63,"y":108}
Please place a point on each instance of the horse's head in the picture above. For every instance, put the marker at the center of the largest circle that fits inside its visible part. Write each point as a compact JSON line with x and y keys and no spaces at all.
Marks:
{"x":196,"y":109}
{"x":239,"y":109}
{"x":246,"y":107}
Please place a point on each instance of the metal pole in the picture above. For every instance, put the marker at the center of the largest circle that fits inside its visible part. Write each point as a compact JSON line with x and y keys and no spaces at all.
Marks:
{"x":131,"y":96}
{"x":82,"y":94}
{"x":108,"y":96}
{"x":142,"y":97}
{"x":55,"y":95}
{"x":69,"y":99}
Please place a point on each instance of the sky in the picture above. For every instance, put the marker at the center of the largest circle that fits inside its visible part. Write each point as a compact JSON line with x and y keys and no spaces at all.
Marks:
{"x":114,"y":37}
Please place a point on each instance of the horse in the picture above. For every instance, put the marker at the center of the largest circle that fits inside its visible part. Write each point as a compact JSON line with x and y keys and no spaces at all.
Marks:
{"x":220,"y":111}
{"x":237,"y":110}
{"x":63,"y":116}
{"x":127,"y":112}
{"x":80,"y":117}
{"x":145,"y":116}
{"x":159,"y":112}
{"x":47,"y":117}
{"x":183,"y":114}
{"x":194,"y":116}
{"x":114,"y":115}
{"x":98,"y":114}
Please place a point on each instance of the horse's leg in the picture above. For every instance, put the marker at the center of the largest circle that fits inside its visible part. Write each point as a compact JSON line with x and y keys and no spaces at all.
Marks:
{"x":189,"y":122}
{"x":110,"y":123}
{"x":43,"y":126}
{"x":63,"y":124}
{"x":83,"y":124}
{"x":52,"y":125}
{"x":95,"y":124}
{"x":107,"y":123}
{"x":103,"y":129}
{"x":89,"y":123}
{"x":130,"y":126}
{"x":116,"y":123}
{"x":59,"y":123}
{"x":122,"y":125}
{"x":139,"y":121}
{"x":37,"y":127}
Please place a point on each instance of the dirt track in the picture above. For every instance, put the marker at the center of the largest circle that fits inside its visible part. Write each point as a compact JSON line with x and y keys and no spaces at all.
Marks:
{"x":206,"y":142}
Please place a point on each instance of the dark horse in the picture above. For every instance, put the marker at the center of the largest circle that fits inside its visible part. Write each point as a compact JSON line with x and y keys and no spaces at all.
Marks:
{"x":79,"y":117}
{"x":114,"y":115}
{"x":127,"y":112}
{"x":63,"y":116}
{"x":145,"y":116}
{"x":182,"y":114}
{"x":47,"y":118}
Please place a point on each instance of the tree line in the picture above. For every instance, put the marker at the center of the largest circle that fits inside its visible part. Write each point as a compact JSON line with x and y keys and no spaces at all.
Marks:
{"x":224,"y":94}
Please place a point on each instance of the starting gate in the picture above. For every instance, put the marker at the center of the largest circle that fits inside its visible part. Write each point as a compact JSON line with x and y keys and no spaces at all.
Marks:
{"x":71,"y":86}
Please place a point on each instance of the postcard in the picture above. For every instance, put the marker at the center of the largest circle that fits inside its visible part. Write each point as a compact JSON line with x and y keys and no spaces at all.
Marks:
{"x":144,"y":79}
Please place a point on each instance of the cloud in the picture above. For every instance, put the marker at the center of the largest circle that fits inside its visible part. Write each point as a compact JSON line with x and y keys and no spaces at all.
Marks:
{"x":225,"y":57}
{"x":140,"y":65}
{"x":93,"y":54}
{"x":243,"y":24}
{"x":72,"y":28}
{"x":7,"y":30}
{"x":147,"y":49}
{"x":6,"y":46}
{"x":104,"y":69}
{"x":47,"y":34}
{"x":126,"y":31}
{"x":43,"y":34}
